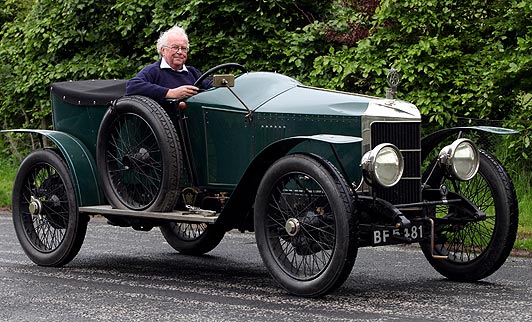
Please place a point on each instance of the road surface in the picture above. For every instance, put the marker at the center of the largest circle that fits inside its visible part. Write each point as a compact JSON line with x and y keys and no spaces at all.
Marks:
{"x":125,"y":275}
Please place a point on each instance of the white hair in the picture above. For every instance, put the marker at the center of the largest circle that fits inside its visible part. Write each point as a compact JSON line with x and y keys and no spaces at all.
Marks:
{"x":163,"y":39}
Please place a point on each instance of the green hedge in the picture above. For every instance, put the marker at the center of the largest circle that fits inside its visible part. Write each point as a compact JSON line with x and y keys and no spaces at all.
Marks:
{"x":456,"y":58}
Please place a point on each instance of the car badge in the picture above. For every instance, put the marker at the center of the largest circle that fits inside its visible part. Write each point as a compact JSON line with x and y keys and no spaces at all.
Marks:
{"x":393,"y":80}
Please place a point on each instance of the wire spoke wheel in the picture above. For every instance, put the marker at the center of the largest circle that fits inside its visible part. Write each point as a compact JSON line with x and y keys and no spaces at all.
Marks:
{"x":44,"y":189}
{"x":139,"y":157}
{"x":300,"y":226}
{"x":464,"y":242}
{"x":45,"y":214}
{"x":134,"y":161}
{"x":475,"y":247}
{"x":192,"y":238}
{"x":305,"y":225}
{"x":187,"y":231}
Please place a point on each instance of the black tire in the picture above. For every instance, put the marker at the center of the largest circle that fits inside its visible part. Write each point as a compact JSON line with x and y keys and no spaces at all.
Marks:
{"x":45,"y":211}
{"x":476,"y":249}
{"x":139,"y":156}
{"x":192,"y":238}
{"x":305,"y":225}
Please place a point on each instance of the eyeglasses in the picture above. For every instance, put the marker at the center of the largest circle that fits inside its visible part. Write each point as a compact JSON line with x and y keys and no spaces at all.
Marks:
{"x":178,"y":48}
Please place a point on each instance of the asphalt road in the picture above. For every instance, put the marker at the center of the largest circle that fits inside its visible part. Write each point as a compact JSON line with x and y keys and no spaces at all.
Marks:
{"x":124,"y":275}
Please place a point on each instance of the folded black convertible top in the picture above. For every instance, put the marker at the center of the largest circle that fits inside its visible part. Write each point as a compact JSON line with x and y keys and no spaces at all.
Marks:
{"x":89,"y":92}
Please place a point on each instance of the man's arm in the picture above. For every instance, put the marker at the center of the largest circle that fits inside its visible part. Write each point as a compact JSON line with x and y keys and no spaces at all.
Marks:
{"x":182,"y":92}
{"x":145,"y":84}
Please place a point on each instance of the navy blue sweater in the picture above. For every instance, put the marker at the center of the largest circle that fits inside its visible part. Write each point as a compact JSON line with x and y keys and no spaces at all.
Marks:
{"x":154,"y":82}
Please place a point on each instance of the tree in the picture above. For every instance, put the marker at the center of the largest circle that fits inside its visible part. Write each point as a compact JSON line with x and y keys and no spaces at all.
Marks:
{"x":456,"y":58}
{"x":89,"y":39}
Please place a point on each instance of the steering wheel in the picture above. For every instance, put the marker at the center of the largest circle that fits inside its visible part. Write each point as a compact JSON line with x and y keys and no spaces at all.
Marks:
{"x":217,"y":68}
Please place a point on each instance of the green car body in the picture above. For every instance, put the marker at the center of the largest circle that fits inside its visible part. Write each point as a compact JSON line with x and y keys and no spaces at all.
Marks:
{"x":225,"y":141}
{"x":295,"y":164}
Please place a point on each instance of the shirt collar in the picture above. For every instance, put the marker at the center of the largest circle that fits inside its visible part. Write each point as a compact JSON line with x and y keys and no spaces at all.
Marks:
{"x":164,"y":65}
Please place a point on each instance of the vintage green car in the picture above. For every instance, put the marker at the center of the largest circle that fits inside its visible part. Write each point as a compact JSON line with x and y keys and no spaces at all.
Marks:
{"x":315,"y":173}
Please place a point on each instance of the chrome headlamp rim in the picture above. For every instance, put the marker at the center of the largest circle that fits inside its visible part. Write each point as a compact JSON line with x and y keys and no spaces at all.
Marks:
{"x":374,"y":174}
{"x":452,"y":164}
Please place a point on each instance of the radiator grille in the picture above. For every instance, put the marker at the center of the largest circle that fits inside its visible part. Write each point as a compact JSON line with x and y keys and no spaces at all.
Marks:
{"x":407,"y":137}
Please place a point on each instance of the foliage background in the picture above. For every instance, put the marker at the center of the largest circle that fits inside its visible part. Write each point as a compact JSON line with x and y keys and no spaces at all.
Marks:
{"x":456,"y":58}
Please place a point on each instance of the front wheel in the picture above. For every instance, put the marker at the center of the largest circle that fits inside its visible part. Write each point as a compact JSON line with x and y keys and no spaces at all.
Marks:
{"x":45,"y":212}
{"x":305,"y":225}
{"x":475,"y":248}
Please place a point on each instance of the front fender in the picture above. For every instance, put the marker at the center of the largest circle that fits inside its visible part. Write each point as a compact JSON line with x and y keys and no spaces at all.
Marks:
{"x":243,"y":196}
{"x":80,"y":163}
{"x":429,"y":142}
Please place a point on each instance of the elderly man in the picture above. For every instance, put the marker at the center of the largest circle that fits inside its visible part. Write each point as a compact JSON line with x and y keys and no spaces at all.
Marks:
{"x":169,"y":77}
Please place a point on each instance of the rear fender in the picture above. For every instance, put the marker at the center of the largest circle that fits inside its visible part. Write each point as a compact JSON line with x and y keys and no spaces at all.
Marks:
{"x":432,"y":140}
{"x":243,"y":197}
{"x":80,"y":163}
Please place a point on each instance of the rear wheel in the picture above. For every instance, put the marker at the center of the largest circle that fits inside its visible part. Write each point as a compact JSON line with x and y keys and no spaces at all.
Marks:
{"x":139,"y":155}
{"x":305,"y":225}
{"x":45,"y":211}
{"x":475,"y":248}
{"x":192,"y":238}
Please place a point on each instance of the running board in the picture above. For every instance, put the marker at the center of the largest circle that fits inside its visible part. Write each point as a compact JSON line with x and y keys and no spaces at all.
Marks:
{"x":196,"y":216}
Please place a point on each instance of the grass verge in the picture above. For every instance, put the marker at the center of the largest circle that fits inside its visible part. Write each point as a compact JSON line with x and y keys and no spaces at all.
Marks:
{"x":522,"y":181}
{"x":8,"y":169}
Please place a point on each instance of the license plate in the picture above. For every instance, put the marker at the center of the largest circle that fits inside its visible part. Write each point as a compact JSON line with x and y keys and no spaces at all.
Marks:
{"x":412,"y":234}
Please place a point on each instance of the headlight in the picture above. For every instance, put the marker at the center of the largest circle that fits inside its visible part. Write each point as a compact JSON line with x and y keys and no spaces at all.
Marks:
{"x":460,"y":159}
{"x":383,"y":165}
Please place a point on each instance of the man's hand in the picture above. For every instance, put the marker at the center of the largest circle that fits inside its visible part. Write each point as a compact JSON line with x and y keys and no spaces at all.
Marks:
{"x":182,"y":92}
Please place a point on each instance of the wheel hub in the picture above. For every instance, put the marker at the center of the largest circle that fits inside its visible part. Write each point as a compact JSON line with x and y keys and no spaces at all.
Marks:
{"x":135,"y":159}
{"x":35,"y":206}
{"x":292,"y":226}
